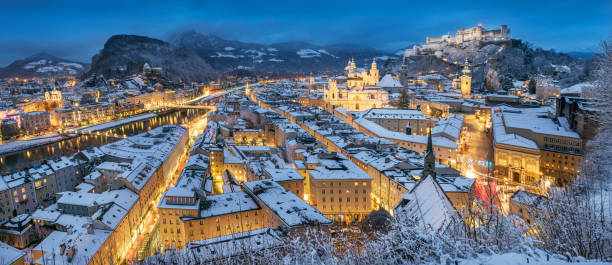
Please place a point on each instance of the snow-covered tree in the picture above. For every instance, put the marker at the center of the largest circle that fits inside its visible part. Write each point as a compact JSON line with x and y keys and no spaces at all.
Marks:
{"x":577,"y":220}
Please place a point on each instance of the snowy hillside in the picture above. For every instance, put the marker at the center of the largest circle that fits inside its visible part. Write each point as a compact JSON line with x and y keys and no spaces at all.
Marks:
{"x":227,"y":55}
{"x":43,"y":65}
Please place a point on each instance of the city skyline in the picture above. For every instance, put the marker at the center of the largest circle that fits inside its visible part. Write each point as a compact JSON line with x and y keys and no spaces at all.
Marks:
{"x":77,"y":31}
{"x":348,"y":132}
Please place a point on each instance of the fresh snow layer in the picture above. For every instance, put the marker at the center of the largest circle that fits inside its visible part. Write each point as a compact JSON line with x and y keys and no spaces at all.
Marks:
{"x":26,"y":144}
{"x":308,"y":53}
{"x":117,"y":122}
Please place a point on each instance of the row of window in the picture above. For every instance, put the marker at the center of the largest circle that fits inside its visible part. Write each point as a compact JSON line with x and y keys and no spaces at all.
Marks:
{"x":561,"y":148}
{"x":348,"y":199}
{"x":332,"y":208}
{"x":561,"y":141}
{"x":339,"y":184}
{"x":331,"y":191}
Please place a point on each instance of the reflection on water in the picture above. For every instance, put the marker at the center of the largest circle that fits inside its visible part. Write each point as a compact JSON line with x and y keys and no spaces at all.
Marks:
{"x":27,"y":158}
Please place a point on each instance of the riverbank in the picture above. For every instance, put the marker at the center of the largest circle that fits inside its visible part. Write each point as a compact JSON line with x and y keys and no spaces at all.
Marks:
{"x":116,"y":123}
{"x":20,"y":145}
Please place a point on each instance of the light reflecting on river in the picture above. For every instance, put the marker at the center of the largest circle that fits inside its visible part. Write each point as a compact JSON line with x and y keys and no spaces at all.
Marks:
{"x":27,"y":158}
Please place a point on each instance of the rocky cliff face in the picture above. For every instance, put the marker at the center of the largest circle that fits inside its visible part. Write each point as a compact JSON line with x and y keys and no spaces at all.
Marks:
{"x":228,"y":55}
{"x":124,"y":55}
{"x":491,"y":61}
{"x":43,"y":65}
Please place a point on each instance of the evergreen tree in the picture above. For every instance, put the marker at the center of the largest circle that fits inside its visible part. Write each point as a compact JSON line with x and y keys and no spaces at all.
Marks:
{"x":404,"y":100}
{"x":531,"y":86}
{"x":506,"y":82}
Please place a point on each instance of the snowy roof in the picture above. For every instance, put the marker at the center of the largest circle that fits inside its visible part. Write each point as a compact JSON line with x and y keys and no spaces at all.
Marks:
{"x":537,"y":121}
{"x":209,"y":250}
{"x":228,"y":203}
{"x":60,"y":163}
{"x":122,"y":197}
{"x":84,"y":186}
{"x":288,"y":207}
{"x":528,"y":198}
{"x":77,"y":198}
{"x":180,"y":192}
{"x":9,"y":254}
{"x":450,"y":126}
{"x":49,"y":215}
{"x":577,"y":88}
{"x":389,"y":81}
{"x":391,"y":135}
{"x":429,"y":206}
{"x":85,"y":244}
{"x":404,"y":114}
{"x":197,"y":162}
{"x":455,"y":183}
{"x":282,"y":174}
{"x":500,"y":136}
{"x":338,"y":168}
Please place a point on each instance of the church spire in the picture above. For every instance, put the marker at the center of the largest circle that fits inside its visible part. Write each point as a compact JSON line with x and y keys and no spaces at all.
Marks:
{"x":373,"y":63}
{"x":429,"y":143}
{"x":429,"y":165}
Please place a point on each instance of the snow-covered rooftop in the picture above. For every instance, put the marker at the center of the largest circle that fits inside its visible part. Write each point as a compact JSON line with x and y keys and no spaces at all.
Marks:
{"x":389,"y":81}
{"x":228,"y":203}
{"x":337,"y":168}
{"x":9,"y":254}
{"x":288,"y":207}
{"x":282,"y":174}
{"x":402,"y":114}
{"x":429,"y":206}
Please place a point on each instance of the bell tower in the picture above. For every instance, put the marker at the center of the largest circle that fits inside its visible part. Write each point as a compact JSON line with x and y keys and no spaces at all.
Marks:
{"x":332,"y":89}
{"x":466,"y":79}
{"x":374,"y":74}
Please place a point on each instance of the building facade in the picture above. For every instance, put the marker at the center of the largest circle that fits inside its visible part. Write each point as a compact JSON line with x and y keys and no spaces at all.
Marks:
{"x":356,"y":91}
{"x":35,"y":122}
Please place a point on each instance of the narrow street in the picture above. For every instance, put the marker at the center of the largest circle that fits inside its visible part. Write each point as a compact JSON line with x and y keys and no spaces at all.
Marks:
{"x":477,"y":157}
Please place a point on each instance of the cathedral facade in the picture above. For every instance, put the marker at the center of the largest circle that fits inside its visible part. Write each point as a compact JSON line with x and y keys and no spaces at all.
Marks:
{"x":357,"y":90}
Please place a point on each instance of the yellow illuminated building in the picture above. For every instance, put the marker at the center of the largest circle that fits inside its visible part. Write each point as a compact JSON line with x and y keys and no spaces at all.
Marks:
{"x":356,"y":90}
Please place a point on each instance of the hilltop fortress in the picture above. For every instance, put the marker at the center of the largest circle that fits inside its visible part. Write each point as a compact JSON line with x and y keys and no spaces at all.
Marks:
{"x":478,"y":33}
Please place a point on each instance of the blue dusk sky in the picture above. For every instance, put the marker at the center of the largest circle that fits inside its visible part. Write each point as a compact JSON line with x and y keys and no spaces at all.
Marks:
{"x":78,"y":29}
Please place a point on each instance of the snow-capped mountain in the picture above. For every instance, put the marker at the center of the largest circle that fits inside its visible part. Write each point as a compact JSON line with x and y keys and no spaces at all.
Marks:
{"x":43,"y":65}
{"x":124,"y":55}
{"x":227,"y":55}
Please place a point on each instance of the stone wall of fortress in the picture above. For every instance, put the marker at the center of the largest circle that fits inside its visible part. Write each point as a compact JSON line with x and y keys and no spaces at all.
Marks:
{"x":470,"y":34}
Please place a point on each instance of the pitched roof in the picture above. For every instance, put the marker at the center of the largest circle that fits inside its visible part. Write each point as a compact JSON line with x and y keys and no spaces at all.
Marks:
{"x":429,"y":206}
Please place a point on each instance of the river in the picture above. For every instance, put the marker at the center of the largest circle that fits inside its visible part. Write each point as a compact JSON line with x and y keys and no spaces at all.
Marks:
{"x":27,"y":158}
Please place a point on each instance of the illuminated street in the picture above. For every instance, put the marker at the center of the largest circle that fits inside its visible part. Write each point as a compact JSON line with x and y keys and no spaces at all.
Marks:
{"x":478,"y":153}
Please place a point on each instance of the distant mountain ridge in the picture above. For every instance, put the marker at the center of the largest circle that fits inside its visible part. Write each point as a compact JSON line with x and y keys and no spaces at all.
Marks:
{"x":581,"y":55}
{"x":226,"y":55}
{"x":43,"y":65}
